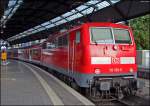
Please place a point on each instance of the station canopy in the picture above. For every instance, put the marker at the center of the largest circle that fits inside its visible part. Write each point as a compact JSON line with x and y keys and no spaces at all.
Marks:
{"x":29,"y":20}
{"x":3,"y":6}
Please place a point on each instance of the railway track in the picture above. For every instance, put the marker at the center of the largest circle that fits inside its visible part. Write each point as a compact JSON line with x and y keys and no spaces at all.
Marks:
{"x":134,"y":101}
{"x":128,"y":101}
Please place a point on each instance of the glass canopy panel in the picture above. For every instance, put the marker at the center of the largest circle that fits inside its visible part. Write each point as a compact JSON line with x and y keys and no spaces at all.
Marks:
{"x":23,"y":35}
{"x":13,"y":6}
{"x":46,"y":23}
{"x":24,"y":32}
{"x":73,"y":11}
{"x":28,"y":32}
{"x":92,"y":2}
{"x":67,"y":14}
{"x":61,"y":22}
{"x":74,"y":16}
{"x":88,"y":11}
{"x":50,"y":25}
{"x":35,"y":31}
{"x":37,"y":27}
{"x":115,"y":1}
{"x":31,"y":29}
{"x":42,"y":28}
{"x":11,"y":3}
{"x":81,"y":7}
{"x":7,"y":11}
{"x":9,"y":16}
{"x":102,"y":5}
{"x":78,"y":15}
{"x":55,"y":19}
{"x":105,"y":3}
{"x":16,"y":6}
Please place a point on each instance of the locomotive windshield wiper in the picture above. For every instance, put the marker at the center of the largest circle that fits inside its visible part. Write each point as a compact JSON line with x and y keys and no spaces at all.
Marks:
{"x":95,"y":42}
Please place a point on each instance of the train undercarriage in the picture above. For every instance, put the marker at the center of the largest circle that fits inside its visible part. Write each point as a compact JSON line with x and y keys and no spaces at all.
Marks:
{"x":112,"y":88}
{"x":104,"y":88}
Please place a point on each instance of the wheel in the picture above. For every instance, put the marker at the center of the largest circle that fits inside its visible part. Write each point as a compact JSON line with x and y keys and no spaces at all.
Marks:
{"x":74,"y":85}
{"x":120,"y":96}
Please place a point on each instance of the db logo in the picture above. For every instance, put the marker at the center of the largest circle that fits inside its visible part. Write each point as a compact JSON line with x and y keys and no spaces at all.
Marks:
{"x":115,"y":60}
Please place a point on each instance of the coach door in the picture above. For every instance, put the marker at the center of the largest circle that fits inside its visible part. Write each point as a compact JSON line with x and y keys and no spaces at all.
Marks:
{"x":74,"y":40}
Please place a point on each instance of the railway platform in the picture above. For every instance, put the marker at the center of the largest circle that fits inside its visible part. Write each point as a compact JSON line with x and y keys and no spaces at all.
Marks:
{"x":25,"y":84}
{"x":143,"y":73}
{"x":144,"y":90}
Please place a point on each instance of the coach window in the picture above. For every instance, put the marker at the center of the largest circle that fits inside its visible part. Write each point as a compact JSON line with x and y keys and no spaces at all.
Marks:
{"x":44,"y":45}
{"x":32,"y":52}
{"x":35,"y":51}
{"x":60,"y":41}
{"x":65,"y":40}
{"x":50,"y":45}
{"x":78,"y":37}
{"x":56,"y":42}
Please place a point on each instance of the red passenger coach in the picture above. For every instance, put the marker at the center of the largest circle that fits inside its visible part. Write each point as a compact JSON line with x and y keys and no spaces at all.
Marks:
{"x":35,"y":54}
{"x":98,"y":56}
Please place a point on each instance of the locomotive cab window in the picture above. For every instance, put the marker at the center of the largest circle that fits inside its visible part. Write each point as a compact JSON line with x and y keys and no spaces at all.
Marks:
{"x":122,"y":36}
{"x":78,"y":37}
{"x":101,"y":35}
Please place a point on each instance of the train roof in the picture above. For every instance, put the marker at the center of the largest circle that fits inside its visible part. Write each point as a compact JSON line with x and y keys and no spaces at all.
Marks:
{"x":107,"y":24}
{"x":100,"y":24}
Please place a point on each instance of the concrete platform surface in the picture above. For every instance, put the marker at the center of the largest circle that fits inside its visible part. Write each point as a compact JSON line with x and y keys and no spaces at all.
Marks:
{"x":25,"y":84}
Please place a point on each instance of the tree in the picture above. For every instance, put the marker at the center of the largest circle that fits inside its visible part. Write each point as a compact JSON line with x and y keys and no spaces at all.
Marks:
{"x":141,"y":31}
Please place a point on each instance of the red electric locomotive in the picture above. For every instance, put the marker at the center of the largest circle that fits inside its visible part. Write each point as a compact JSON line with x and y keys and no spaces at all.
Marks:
{"x":96,"y":56}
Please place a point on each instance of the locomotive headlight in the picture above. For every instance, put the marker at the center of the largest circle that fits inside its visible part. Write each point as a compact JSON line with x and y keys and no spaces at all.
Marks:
{"x":131,"y":70}
{"x":115,"y":47}
{"x":97,"y":71}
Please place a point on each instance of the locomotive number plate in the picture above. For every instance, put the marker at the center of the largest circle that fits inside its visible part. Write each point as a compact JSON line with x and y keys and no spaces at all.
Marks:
{"x":115,"y":60}
{"x":115,"y":70}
